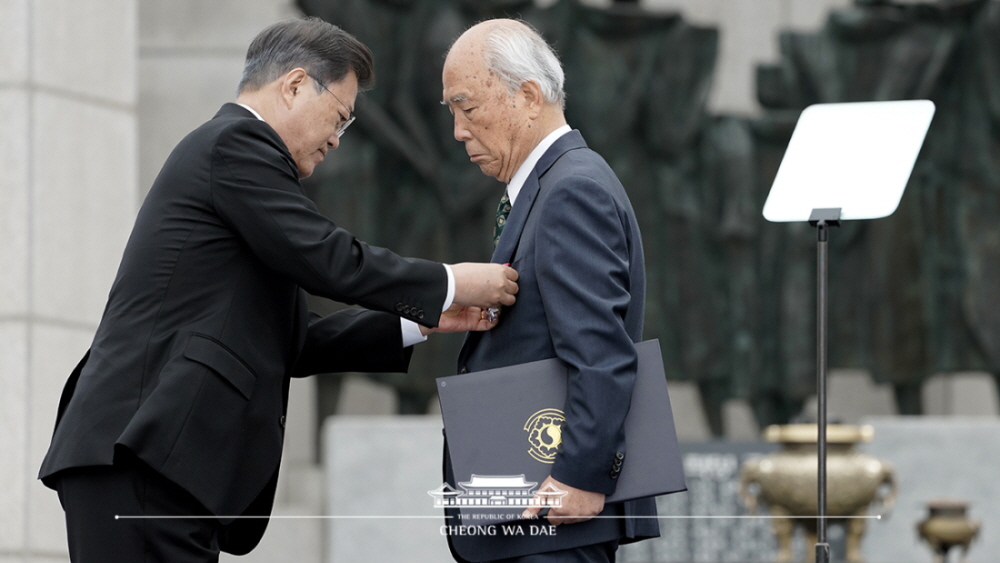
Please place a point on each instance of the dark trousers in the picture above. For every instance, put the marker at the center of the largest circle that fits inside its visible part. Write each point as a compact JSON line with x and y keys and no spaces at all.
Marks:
{"x":597,"y":553}
{"x":101,"y":503}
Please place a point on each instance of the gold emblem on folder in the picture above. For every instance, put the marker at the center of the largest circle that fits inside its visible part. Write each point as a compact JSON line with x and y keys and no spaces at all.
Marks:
{"x":544,"y":430}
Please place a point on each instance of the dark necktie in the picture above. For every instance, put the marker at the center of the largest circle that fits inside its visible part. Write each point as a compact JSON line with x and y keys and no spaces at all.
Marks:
{"x":503,"y":210}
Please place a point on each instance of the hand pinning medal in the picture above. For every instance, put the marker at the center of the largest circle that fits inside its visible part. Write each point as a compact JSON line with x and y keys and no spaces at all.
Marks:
{"x":493,"y":313}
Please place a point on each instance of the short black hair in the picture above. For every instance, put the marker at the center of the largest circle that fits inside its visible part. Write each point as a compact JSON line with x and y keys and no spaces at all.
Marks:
{"x":324,"y":50}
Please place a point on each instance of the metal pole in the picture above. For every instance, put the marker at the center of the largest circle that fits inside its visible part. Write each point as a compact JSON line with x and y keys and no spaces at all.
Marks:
{"x":822,"y":547}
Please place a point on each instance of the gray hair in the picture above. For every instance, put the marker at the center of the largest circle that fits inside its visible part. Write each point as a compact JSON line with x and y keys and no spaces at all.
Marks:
{"x":518,"y":54}
{"x":324,"y":50}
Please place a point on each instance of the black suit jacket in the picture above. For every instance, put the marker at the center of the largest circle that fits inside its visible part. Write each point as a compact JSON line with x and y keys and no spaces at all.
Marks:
{"x":207,"y":321}
{"x":573,"y":238}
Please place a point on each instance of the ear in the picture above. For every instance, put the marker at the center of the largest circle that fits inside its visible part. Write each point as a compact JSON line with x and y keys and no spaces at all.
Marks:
{"x":292,"y":84}
{"x":533,"y":98}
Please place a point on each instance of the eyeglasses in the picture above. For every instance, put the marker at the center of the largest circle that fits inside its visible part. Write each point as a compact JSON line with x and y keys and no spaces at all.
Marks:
{"x":350,"y":114}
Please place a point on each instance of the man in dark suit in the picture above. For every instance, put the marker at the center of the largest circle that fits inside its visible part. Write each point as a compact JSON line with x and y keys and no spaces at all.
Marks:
{"x":566,"y":225}
{"x":178,"y":409}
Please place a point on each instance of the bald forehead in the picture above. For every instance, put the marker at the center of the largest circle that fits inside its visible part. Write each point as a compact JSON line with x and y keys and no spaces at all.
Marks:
{"x":484,"y":28}
{"x":466,"y":49}
{"x":475,"y":37}
{"x":465,"y":76}
{"x":465,"y":61}
{"x":465,"y":72}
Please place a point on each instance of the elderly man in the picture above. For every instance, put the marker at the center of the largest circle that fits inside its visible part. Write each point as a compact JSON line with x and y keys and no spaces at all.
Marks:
{"x":173,"y":422}
{"x":566,"y":225}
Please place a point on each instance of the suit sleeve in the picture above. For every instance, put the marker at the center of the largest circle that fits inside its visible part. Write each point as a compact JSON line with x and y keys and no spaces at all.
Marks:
{"x":353,"y":340}
{"x":583,"y":278}
{"x":256,"y":192}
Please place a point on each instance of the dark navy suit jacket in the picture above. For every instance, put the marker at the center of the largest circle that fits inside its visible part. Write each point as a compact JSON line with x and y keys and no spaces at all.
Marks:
{"x":207,"y":321}
{"x":572,"y":236}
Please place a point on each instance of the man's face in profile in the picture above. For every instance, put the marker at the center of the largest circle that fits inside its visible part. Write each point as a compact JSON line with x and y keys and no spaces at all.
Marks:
{"x":488,"y":118}
{"x":315,"y":119}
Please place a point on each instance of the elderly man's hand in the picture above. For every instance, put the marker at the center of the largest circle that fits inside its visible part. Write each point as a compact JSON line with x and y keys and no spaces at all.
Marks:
{"x":577,"y":505}
{"x":484,"y":285}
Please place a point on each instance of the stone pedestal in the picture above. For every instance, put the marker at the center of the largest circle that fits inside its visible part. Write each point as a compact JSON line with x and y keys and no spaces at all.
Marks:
{"x":936,"y":457}
{"x":708,"y":522}
{"x":378,"y":473}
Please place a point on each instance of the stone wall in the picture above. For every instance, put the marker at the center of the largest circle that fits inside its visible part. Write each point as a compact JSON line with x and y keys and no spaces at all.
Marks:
{"x":68,"y":167}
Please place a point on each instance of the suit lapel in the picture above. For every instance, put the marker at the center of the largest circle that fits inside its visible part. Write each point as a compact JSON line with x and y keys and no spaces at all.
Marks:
{"x":504,"y":252}
{"x":507,"y":246}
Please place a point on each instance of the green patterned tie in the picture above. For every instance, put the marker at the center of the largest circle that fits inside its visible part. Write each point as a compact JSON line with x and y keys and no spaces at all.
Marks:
{"x":503,"y":210}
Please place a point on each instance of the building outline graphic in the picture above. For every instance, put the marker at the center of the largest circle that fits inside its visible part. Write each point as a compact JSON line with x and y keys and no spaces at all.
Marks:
{"x":497,"y":491}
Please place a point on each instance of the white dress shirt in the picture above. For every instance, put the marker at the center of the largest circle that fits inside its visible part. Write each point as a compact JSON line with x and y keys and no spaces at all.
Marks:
{"x":517,"y":180}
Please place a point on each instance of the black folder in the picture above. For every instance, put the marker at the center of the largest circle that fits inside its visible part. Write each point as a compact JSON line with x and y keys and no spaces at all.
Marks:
{"x":498,"y":425}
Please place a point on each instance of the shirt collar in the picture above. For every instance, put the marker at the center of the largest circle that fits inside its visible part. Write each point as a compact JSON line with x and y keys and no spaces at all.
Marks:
{"x":517,"y":180}
{"x":251,"y":110}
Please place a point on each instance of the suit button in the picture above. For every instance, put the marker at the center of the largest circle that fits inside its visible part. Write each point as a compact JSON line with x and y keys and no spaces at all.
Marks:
{"x":399,"y":307}
{"x":420,"y":313}
{"x":281,"y":421}
{"x":614,"y":474}
{"x":619,"y":456}
{"x":463,"y":370}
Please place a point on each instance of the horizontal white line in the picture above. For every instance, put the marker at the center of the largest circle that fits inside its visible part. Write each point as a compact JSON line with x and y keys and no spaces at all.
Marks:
{"x":395,"y":517}
{"x":274,"y":517}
